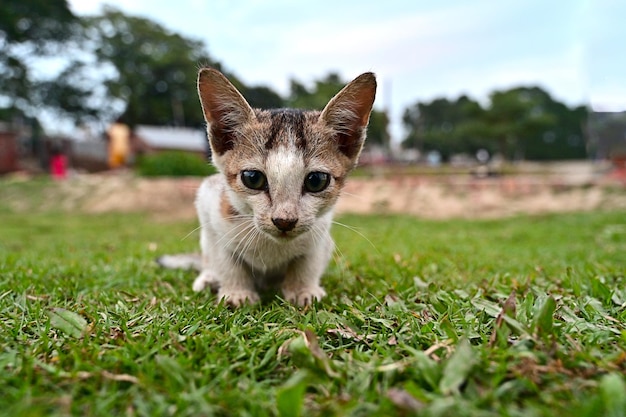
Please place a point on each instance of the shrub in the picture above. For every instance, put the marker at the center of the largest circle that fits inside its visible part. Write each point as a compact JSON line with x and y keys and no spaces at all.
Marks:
{"x":173,"y":164}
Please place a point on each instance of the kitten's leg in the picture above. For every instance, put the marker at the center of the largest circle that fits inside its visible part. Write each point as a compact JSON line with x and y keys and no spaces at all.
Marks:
{"x":236,"y":286}
{"x":219,"y":272}
{"x":302,"y":280}
{"x":207,"y":278}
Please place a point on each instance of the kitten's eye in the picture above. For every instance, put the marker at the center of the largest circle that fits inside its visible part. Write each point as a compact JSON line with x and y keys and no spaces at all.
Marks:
{"x":316,"y":182}
{"x":254,"y":180}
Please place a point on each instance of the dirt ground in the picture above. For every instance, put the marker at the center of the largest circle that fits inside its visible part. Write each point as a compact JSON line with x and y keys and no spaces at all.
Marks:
{"x":568,"y":188}
{"x":462,"y":198}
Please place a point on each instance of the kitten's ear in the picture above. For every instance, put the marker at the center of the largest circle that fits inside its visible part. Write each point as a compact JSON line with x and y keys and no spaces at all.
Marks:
{"x":348,"y":113}
{"x":225,"y":110}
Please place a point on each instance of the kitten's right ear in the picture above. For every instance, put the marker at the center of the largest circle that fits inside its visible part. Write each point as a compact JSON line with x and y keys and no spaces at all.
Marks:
{"x":225,"y":110}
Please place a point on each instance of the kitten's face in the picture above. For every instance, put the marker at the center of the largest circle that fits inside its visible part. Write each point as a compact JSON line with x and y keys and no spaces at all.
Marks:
{"x":284,"y":167}
{"x":284,"y":172}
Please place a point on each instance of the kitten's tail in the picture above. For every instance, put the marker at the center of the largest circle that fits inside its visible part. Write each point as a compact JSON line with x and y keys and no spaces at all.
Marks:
{"x":181,"y":261}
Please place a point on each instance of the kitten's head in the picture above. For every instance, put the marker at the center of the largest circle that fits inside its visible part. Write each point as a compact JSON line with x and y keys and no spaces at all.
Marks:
{"x":284,"y":167}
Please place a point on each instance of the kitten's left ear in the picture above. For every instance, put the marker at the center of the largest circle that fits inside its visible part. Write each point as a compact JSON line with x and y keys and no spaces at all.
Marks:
{"x":348,"y":113}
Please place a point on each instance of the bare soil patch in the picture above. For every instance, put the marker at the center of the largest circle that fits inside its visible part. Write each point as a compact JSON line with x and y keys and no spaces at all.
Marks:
{"x":434,"y":197}
{"x":474,"y":198}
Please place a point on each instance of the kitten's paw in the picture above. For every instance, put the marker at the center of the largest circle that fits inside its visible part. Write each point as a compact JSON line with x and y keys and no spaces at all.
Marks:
{"x":239,"y":297}
{"x":206,"y":279}
{"x":303,"y":296}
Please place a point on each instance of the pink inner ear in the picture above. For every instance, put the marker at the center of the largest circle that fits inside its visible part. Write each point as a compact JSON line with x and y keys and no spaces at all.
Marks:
{"x":362,"y":98}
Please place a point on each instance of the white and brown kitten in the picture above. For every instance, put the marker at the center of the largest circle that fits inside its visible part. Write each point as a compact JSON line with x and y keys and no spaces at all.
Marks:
{"x":265,"y":217}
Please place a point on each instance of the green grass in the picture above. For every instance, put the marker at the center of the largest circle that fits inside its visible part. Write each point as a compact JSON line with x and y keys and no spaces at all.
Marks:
{"x":173,"y":164}
{"x":415,"y":322}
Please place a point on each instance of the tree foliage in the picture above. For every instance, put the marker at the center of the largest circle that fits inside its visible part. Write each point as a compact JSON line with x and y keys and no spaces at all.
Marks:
{"x":445,"y":125}
{"x":261,"y":97}
{"x":322,"y":91}
{"x":29,"y":32}
{"x":154,"y":69}
{"x":522,"y":122}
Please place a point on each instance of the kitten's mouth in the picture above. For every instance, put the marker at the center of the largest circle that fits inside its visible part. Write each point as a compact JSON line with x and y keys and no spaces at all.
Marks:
{"x":282,"y":236}
{"x":286,"y":235}
{"x":279,"y":235}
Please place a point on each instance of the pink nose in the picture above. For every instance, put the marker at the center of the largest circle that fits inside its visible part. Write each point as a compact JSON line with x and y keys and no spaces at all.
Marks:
{"x":285,"y":225}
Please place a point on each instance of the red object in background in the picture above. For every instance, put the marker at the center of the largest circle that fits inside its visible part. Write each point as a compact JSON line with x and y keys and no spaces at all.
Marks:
{"x":58,"y":166}
{"x":619,"y":168}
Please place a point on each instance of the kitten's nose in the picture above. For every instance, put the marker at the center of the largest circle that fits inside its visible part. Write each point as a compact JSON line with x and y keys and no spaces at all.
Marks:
{"x":285,"y":225}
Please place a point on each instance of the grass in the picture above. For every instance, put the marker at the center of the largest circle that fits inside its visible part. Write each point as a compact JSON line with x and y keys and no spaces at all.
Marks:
{"x":523,"y":316}
{"x":173,"y":164}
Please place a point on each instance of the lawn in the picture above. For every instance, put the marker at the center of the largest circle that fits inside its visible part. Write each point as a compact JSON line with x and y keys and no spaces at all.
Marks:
{"x":522,"y":316}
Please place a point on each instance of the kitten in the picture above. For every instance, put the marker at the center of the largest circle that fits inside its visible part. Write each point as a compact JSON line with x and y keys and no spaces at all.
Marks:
{"x":265,"y":217}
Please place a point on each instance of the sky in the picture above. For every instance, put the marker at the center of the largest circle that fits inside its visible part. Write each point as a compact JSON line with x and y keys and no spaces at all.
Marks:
{"x":420,"y":50}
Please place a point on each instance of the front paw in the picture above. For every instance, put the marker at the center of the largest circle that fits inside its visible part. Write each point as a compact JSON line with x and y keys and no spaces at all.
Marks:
{"x":238,"y":297}
{"x":206,"y":279}
{"x":303,"y":296}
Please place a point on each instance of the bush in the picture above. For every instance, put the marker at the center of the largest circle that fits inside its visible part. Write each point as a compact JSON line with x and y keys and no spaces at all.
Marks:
{"x":173,"y":164}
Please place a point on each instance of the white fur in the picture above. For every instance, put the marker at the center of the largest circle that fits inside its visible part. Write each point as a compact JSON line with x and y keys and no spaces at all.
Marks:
{"x":181,"y":261}
{"x":246,"y":252}
{"x":242,"y":249}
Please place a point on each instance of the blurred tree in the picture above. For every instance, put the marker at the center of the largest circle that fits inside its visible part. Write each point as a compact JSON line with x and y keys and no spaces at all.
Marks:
{"x":73,"y":93}
{"x":520,"y":123}
{"x":377,"y":130}
{"x":316,"y":98}
{"x":109,"y":65}
{"x":29,"y":32}
{"x":529,"y":124}
{"x":262,"y":97}
{"x":448,"y":126}
{"x":549,"y":129}
{"x":154,"y":70}
{"x":516,"y":115}
{"x":259,"y":97}
{"x":38,"y":23}
{"x":323,"y":90}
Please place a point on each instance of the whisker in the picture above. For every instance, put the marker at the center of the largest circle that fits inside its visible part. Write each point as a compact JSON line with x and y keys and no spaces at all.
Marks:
{"x":245,"y":240}
{"x":254,"y":242}
{"x":239,"y":231}
{"x":337,"y":254}
{"x":355,"y":230}
{"x":235,"y":217}
{"x":357,"y":196}
{"x":321,"y":234}
{"x":193,"y":231}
